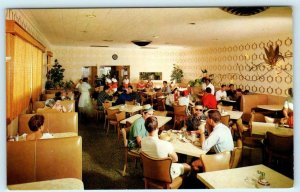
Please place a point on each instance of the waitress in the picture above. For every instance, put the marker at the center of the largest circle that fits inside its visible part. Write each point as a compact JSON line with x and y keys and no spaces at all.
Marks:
{"x":114,"y":85}
{"x":126,"y":82}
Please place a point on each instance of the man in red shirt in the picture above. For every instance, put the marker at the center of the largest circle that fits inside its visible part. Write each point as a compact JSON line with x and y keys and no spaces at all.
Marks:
{"x":209,"y":100}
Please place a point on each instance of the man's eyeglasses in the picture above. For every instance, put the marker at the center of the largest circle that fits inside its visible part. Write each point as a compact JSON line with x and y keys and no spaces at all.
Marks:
{"x":198,"y":109}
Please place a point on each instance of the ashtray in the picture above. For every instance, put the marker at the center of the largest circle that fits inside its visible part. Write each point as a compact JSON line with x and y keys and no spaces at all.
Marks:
{"x":262,"y":183}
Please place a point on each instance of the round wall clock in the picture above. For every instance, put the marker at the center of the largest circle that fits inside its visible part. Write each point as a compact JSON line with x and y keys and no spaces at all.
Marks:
{"x":115,"y":56}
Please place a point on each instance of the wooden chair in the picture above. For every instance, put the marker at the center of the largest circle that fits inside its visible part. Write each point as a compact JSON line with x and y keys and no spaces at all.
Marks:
{"x":160,"y":113}
{"x":236,"y":154}
{"x":226,"y":108}
{"x":130,"y":102}
{"x":161,"y":104}
{"x":106,"y":105}
{"x":279,"y":147}
{"x":225,"y":120}
{"x":119,"y":117}
{"x":111,"y":117}
{"x":215,"y":162}
{"x":128,"y":153}
{"x":250,"y":142}
{"x":157,"y":173}
{"x":179,"y":114}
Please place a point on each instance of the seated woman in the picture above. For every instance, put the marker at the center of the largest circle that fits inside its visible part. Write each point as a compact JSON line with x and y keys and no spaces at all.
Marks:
{"x":36,"y":125}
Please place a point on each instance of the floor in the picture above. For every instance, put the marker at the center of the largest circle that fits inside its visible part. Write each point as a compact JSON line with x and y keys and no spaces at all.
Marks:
{"x":103,"y":157}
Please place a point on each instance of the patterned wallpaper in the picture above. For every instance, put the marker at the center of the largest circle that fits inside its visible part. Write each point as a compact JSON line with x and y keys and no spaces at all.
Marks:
{"x":242,"y":64}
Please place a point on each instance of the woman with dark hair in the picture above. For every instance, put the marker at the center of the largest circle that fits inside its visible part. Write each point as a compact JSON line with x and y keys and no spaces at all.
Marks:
{"x":36,"y":125}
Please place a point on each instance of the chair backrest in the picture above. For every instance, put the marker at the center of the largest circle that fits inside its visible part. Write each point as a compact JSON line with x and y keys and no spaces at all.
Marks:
{"x":161,"y":104}
{"x":130,"y":102}
{"x":112,"y":111}
{"x":257,"y":117}
{"x":226,"y":108}
{"x":280,"y":144}
{"x":219,"y":161}
{"x":107,"y":105}
{"x":236,"y":154}
{"x":120,"y":116}
{"x":240,"y":127}
{"x":160,"y":113}
{"x":156,"y":168}
{"x":225,"y":120}
{"x":179,"y":110}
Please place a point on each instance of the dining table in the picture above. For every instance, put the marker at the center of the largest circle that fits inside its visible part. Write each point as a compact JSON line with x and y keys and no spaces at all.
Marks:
{"x":234,"y":115}
{"x":271,"y":107}
{"x":183,"y":145}
{"x":127,"y":108}
{"x":261,"y":128}
{"x":162,"y":120}
{"x":244,"y":177}
{"x":55,"y":184}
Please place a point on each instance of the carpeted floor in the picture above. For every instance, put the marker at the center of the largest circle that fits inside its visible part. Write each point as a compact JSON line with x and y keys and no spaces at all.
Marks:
{"x":103,"y":159}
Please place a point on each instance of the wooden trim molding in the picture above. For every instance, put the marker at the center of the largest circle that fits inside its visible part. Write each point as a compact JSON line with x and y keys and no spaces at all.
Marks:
{"x":14,"y":28}
{"x":49,"y":53}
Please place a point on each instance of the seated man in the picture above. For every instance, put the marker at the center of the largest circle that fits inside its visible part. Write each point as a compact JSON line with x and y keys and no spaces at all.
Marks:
{"x":103,"y":95}
{"x":138,"y":130}
{"x":194,"y":121}
{"x":209,"y":100}
{"x":219,"y":138}
{"x":166,"y":89}
{"x":172,"y":99}
{"x":154,"y":147}
{"x":221,"y":94}
{"x":230,"y":92}
{"x":127,"y":95}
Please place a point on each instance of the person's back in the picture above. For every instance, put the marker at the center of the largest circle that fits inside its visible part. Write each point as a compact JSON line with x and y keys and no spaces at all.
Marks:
{"x":209,"y":100}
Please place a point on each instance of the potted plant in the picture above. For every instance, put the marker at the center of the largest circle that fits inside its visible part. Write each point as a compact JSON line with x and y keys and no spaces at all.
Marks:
{"x":177,"y":74}
{"x":68,"y":85}
{"x":55,"y":76}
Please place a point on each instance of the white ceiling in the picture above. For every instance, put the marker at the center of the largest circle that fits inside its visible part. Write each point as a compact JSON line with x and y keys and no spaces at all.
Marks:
{"x":164,"y":26}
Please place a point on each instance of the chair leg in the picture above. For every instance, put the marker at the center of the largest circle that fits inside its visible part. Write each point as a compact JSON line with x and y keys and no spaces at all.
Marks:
{"x":107,"y":128}
{"x":125,"y":166}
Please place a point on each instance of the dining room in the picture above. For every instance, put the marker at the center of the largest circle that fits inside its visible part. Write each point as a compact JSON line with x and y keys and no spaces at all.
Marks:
{"x":171,"y":60}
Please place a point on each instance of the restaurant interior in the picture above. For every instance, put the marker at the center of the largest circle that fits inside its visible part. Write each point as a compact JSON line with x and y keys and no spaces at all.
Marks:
{"x":49,"y":50}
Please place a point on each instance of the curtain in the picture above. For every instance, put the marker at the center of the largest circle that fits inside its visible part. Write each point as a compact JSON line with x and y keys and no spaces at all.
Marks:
{"x":24,"y":75}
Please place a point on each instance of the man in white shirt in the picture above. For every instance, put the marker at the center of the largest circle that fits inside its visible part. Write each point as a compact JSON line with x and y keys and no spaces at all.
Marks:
{"x":219,"y":138}
{"x":221,"y":94}
{"x":208,"y":84}
{"x":154,"y":147}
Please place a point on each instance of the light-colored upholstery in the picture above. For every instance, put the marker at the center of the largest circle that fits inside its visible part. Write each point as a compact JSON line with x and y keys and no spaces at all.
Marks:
{"x":68,"y":104}
{"x":44,"y":159}
{"x":236,"y":154}
{"x":161,"y":177}
{"x":54,"y":122}
{"x":215,"y":162}
{"x":251,"y":101}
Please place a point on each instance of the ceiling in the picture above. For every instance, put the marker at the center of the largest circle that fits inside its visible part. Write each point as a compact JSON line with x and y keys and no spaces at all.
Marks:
{"x":165,"y":27}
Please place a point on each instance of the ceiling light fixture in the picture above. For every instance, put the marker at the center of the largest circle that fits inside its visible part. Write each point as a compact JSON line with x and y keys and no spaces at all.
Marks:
{"x":141,"y":43}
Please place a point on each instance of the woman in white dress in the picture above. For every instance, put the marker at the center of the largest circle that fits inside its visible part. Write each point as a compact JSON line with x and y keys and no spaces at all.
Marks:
{"x":85,"y":103}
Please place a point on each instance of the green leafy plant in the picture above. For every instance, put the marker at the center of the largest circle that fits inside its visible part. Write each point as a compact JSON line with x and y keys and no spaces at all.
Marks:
{"x":195,"y":83}
{"x":55,"y":76}
{"x":177,"y":74}
{"x":68,"y":84}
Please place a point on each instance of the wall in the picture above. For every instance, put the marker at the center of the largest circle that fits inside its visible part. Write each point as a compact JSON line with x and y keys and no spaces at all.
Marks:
{"x":242,"y":64}
{"x":139,"y":60}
